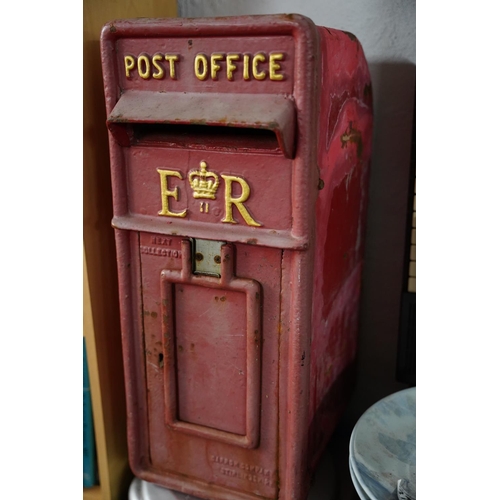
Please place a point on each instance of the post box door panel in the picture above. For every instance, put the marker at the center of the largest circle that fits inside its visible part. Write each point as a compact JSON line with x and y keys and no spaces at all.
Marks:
{"x":211,"y":347}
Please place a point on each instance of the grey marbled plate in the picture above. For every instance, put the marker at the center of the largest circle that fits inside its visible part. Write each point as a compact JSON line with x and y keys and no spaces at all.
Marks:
{"x":357,"y":486}
{"x":383,"y":445}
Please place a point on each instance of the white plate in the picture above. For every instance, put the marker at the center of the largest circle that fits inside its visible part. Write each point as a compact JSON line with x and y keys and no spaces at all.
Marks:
{"x":357,"y":486}
{"x":142,"y":490}
{"x":382,"y":446}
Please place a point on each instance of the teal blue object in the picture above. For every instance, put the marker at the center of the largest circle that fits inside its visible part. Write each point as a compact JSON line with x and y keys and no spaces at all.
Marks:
{"x":89,"y":456}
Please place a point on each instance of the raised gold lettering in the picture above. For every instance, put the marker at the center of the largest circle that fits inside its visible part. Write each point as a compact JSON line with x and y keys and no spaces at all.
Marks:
{"x":161,"y":72}
{"x":258,"y":75}
{"x":143,"y":66}
{"x":246,"y":66}
{"x":166,"y":193}
{"x":230,"y":67}
{"x":274,"y":66}
{"x":214,"y":66}
{"x":259,"y":66}
{"x":171,"y":62}
{"x":237,"y":202}
{"x":129,"y":65}
{"x":201,"y":66}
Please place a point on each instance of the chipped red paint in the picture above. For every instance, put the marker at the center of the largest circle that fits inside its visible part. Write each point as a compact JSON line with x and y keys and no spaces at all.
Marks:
{"x":235,"y":382}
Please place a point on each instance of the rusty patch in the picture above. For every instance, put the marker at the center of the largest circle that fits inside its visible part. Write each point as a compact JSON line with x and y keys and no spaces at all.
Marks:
{"x":354,"y":136}
{"x":198,"y":122}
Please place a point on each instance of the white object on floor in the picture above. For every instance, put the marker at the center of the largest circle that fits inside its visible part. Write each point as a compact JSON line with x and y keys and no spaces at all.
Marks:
{"x":142,"y":490}
{"x":382,"y":449}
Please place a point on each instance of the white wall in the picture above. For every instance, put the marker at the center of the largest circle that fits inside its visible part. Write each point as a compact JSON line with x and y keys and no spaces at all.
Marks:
{"x":386,"y":29}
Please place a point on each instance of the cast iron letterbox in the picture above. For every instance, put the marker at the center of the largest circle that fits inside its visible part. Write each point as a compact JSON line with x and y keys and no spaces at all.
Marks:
{"x":239,"y":158}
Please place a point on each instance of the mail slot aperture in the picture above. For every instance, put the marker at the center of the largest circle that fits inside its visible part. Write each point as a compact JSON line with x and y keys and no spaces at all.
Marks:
{"x":214,"y":137}
{"x":240,"y":150}
{"x":274,"y":113}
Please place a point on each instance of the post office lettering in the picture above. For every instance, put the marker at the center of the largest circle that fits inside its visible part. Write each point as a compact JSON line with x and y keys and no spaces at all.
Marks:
{"x":146,"y":66}
{"x":216,"y":66}
{"x":260,"y":66}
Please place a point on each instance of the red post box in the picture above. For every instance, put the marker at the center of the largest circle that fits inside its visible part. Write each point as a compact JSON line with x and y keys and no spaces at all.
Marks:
{"x":239,"y":158}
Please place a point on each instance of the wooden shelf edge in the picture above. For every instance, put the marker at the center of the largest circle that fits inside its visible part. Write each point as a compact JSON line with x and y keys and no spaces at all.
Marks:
{"x":95,"y":390}
{"x":93,"y":493}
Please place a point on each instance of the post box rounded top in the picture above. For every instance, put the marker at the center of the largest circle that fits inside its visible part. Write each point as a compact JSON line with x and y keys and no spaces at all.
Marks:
{"x":276,"y":24}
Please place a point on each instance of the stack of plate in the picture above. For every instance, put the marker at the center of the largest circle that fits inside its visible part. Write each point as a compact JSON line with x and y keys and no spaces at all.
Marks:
{"x":382,"y":448}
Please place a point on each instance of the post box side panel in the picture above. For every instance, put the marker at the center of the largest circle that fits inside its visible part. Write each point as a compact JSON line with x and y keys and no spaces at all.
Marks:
{"x":268,"y":178}
{"x":243,"y":64}
{"x":211,"y":373}
{"x":344,"y":150}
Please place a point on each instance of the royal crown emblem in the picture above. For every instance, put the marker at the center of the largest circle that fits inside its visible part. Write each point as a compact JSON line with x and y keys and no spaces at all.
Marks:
{"x":204,"y":184}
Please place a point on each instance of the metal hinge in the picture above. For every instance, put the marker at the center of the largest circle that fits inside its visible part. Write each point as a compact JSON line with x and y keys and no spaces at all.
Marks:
{"x":207,"y":256}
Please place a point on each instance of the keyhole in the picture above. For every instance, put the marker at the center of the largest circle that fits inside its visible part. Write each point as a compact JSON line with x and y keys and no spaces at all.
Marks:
{"x":160,"y":360}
